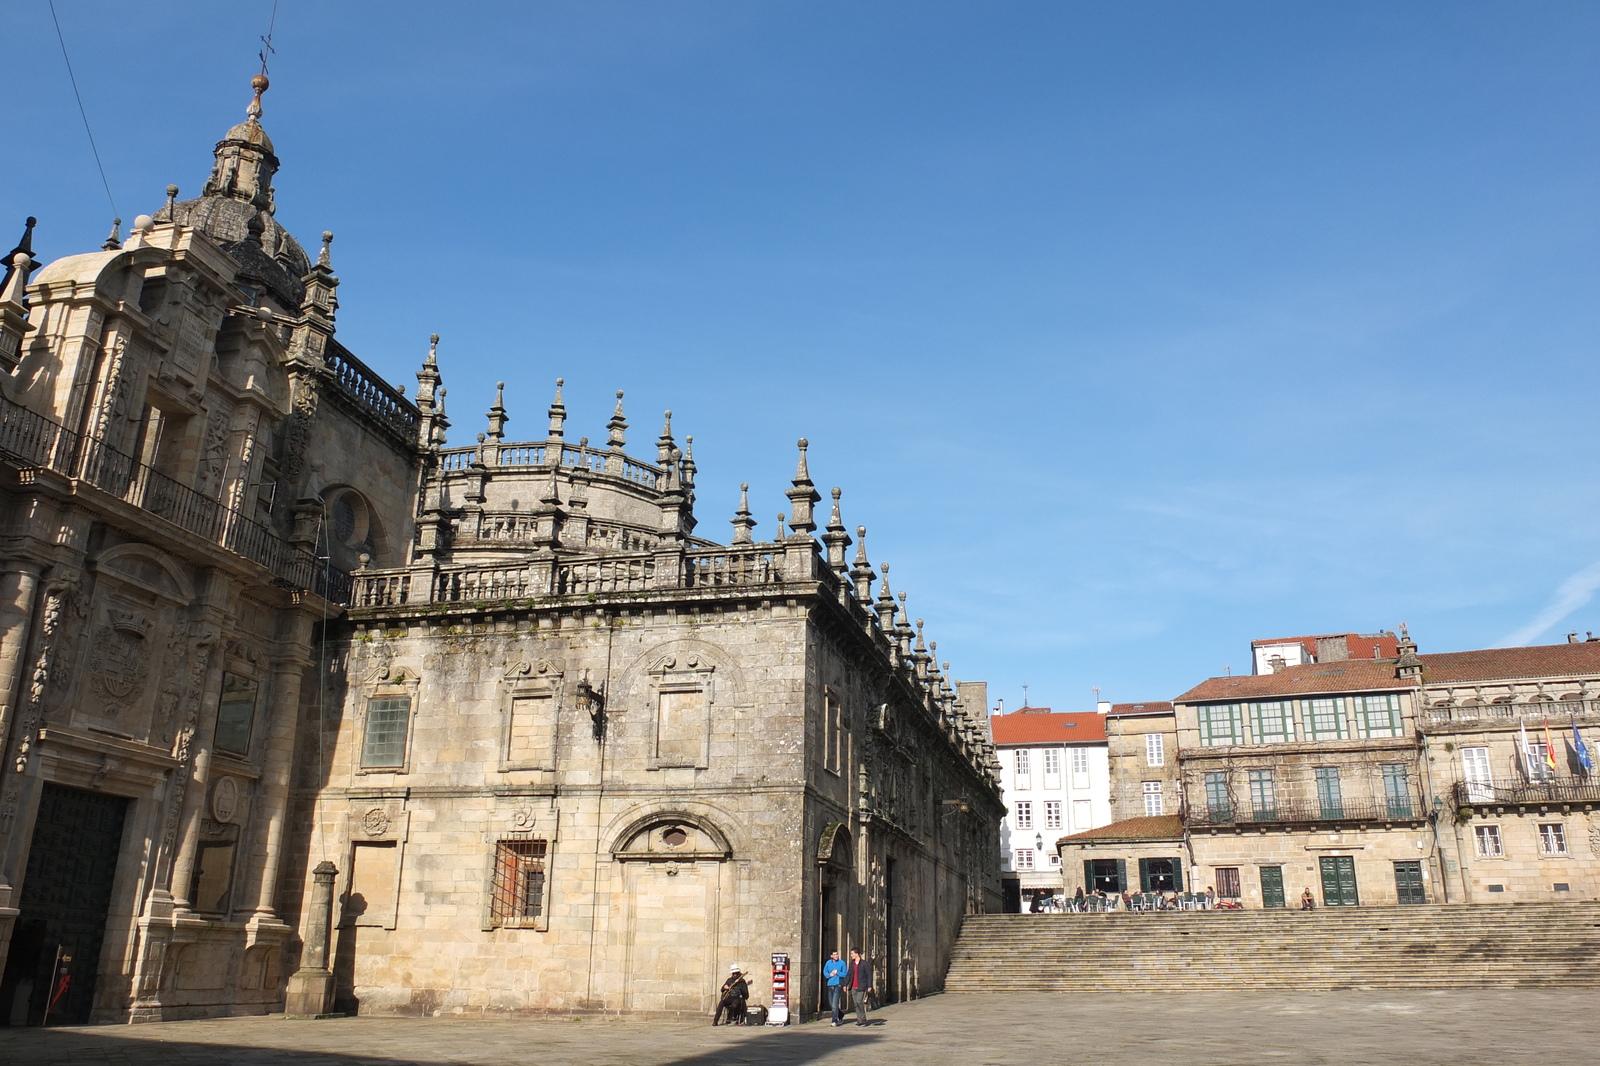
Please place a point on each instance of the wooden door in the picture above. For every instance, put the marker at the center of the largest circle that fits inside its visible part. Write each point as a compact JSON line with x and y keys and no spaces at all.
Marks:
{"x":1339,"y":881}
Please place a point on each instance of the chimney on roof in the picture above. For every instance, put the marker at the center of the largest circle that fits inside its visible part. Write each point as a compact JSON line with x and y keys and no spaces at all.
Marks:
{"x":1572,"y":638}
{"x":1276,"y":663}
{"x":1335,"y":649}
{"x":1408,"y":665}
{"x":1103,"y":707}
{"x":1000,"y":706}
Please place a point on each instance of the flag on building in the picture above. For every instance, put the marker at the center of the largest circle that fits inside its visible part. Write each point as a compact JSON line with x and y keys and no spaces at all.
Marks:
{"x":1549,"y":747}
{"x":1581,"y":749}
{"x":1527,"y":753}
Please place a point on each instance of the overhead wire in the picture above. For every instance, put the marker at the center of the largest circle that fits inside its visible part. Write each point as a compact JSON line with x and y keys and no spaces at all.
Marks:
{"x":71,"y":77}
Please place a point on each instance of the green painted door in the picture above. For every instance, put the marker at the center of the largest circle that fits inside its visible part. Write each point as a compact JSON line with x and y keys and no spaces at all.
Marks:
{"x":1339,"y":881}
{"x":1272,"y":886}
{"x":1408,"y":883}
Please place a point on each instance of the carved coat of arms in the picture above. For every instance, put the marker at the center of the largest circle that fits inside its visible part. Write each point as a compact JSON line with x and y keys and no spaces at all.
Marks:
{"x":119,"y":663}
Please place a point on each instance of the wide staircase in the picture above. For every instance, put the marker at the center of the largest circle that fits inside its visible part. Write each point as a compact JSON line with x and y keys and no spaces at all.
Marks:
{"x":1530,"y":945}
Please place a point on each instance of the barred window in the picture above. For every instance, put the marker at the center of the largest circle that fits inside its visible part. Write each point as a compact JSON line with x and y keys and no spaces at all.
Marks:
{"x":1271,"y":722}
{"x":1220,"y":724}
{"x":518,"y":890}
{"x":385,"y":742}
{"x":1324,"y":719}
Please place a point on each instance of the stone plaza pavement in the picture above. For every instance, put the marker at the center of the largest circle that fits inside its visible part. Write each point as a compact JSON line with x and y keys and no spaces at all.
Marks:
{"x":1501,"y":1027}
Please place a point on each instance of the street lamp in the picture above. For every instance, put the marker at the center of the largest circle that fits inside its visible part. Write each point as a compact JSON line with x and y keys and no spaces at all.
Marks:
{"x":1038,"y":841}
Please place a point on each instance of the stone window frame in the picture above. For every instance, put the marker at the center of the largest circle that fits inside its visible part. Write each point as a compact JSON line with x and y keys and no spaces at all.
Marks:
{"x":526,"y":822}
{"x":1559,"y":836}
{"x":833,"y":731}
{"x":1486,"y":833}
{"x":668,"y":677}
{"x":380,"y":684}
{"x":246,"y":669}
{"x":544,"y":679}
{"x":374,"y":823}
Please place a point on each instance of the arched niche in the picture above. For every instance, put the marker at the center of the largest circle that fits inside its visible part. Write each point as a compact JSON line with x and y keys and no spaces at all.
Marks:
{"x":147,"y":568}
{"x":671,"y":836}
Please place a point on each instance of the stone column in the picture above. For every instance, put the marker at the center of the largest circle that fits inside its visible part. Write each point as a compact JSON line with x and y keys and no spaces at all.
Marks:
{"x":311,"y":986}
{"x":273,"y":795}
{"x":17,"y":588}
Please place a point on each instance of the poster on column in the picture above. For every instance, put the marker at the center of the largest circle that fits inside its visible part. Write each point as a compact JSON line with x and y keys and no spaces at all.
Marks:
{"x":779,"y":1014}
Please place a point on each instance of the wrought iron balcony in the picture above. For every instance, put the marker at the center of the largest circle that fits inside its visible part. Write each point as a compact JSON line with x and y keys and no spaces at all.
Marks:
{"x":31,"y":440}
{"x":1284,"y":813}
{"x":1557,"y":791}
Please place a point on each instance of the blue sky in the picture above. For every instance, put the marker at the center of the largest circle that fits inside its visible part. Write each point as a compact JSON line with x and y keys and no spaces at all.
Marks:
{"x":1131,"y":331}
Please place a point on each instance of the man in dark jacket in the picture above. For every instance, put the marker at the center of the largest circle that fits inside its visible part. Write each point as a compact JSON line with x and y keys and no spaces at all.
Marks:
{"x":860,"y":985}
{"x":735,"y":991}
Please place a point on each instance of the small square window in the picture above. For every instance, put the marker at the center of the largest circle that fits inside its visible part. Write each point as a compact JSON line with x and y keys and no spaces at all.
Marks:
{"x":1488,"y":841}
{"x":1497,"y":888}
{"x":1024,"y":815}
{"x":1552,"y":839}
{"x":1562,"y":886}
{"x":1025,"y":859}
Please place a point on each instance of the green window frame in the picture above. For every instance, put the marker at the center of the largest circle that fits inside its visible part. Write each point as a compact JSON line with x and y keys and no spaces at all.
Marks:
{"x":1263,"y":796}
{"x":1378,"y":716}
{"x":1220,"y":724}
{"x":383,"y":745}
{"x":1397,"y":790}
{"x":1219,"y":805}
{"x":1272,"y":722}
{"x":1323,"y":719}
{"x":1330,"y":797}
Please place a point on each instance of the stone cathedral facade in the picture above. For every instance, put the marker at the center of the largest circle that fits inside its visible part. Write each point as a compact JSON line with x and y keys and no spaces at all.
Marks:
{"x":295,"y":697}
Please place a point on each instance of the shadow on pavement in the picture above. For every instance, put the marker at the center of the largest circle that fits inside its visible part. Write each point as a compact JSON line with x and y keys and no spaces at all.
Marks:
{"x":795,"y":1046}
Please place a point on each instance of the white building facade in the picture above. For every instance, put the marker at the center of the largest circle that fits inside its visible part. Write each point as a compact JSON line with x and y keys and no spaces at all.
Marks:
{"x":1056,"y":780}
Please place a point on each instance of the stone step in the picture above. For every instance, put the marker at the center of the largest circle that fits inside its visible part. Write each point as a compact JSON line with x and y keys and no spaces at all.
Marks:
{"x":1491,"y":946}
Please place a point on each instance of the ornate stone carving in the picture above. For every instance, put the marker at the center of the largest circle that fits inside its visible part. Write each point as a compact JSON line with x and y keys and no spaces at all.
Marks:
{"x":119,"y":664}
{"x":224,"y":799}
{"x":376,"y":821}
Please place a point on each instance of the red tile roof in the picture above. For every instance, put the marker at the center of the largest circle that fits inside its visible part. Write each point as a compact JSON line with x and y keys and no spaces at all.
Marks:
{"x":1151,"y":827}
{"x":1147,"y":707}
{"x":1350,"y":675}
{"x":1542,"y":660}
{"x":1378,"y":675}
{"x":1034,"y":727}
{"x":1359,"y":644}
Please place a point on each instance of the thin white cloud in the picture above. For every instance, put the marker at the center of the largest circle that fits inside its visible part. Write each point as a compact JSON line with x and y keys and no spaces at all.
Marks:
{"x":1574,"y":592}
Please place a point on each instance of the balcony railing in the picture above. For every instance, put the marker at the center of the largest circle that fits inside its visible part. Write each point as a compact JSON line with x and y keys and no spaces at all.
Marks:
{"x":30,"y":439}
{"x":1395,"y":810}
{"x":1540,"y":793}
{"x":1504,"y":712}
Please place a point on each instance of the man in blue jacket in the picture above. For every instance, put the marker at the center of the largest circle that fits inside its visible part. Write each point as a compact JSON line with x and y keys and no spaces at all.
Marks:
{"x":860,"y":985}
{"x":833,"y":972}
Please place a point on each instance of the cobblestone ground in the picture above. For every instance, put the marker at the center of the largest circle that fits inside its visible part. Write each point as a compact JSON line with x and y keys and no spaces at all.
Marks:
{"x":1457,"y":1028}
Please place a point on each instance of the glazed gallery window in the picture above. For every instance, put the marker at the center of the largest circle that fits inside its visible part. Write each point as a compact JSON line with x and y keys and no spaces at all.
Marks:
{"x":1263,"y":796}
{"x":236,"y":714}
{"x":1219,"y":805}
{"x":384,"y":745}
{"x":1153,"y":798}
{"x":1220,"y":723}
{"x":1024,"y":815}
{"x":1488,"y":838}
{"x":518,"y":890}
{"x":1378,"y":716}
{"x":1271,"y":722}
{"x":1025,"y":859}
{"x":1052,"y":814}
{"x":1552,"y":839}
{"x":1324,"y":719}
{"x":1155,"y":753}
{"x":1475,"y":771}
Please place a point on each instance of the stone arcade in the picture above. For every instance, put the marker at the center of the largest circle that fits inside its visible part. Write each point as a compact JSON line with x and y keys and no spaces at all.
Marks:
{"x":546,"y":750}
